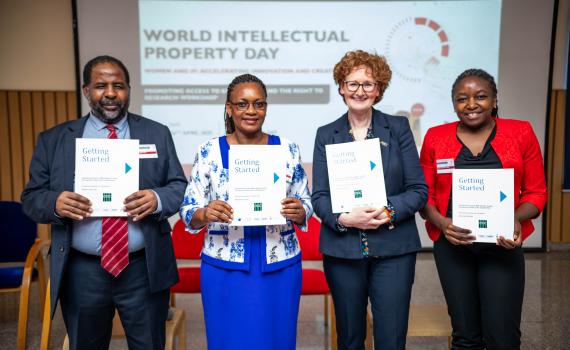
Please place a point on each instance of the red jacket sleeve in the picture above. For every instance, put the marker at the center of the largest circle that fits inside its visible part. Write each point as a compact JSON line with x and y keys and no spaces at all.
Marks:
{"x":427,"y":162}
{"x":533,"y":182}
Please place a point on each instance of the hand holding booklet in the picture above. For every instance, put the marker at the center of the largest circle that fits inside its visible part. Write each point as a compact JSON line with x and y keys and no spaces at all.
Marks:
{"x":356,"y":177}
{"x":106,"y":172}
{"x":483,"y":202}
{"x":257,"y":184}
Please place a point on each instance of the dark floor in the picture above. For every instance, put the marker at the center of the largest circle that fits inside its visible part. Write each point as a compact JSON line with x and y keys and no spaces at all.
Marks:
{"x":545,"y":324}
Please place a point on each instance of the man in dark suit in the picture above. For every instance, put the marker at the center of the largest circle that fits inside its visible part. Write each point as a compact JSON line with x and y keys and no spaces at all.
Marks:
{"x":98,"y":264}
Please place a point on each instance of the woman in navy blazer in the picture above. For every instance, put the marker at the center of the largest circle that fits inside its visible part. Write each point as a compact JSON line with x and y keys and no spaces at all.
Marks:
{"x":370,"y":253}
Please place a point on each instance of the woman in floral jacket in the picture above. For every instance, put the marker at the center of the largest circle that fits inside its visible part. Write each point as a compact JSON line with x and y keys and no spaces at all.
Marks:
{"x":250,"y":275}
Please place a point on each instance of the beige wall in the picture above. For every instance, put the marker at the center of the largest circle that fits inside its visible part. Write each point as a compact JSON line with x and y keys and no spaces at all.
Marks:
{"x":561,"y":46}
{"x":36,"y":45}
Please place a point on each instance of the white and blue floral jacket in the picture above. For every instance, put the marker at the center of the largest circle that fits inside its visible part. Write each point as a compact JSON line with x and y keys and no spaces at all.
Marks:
{"x":225,"y":245}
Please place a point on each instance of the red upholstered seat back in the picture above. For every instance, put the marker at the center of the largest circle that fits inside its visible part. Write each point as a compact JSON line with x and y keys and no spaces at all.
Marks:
{"x":309,"y":241}
{"x":187,"y":245}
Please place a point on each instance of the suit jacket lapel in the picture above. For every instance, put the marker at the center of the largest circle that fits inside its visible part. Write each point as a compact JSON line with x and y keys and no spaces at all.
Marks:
{"x":135,"y":128}
{"x":74,"y":131}
{"x":138,"y":132}
{"x":382,"y":131}
{"x":341,"y":130}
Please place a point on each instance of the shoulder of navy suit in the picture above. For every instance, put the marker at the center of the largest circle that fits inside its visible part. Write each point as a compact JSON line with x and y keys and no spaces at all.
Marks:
{"x":334,"y":126}
{"x":382,"y":119}
{"x":135,"y":118}
{"x":71,"y":125}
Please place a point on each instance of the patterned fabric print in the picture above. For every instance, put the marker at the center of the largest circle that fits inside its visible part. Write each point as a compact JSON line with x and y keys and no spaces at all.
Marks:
{"x":237,"y":250}
{"x":273,"y":255}
{"x":298,"y":173}
{"x":363,"y":234}
{"x":209,"y":181}
{"x":290,"y":243}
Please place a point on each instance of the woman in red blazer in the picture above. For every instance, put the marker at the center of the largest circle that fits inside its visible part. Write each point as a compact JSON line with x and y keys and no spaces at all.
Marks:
{"x":483,"y":284}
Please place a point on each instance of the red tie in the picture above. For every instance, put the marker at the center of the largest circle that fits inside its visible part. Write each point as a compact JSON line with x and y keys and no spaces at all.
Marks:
{"x":114,"y":236}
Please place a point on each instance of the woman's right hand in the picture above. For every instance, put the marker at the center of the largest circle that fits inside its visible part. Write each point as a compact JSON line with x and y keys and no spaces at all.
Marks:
{"x":454,"y":234}
{"x":218,"y":211}
{"x":364,"y":218}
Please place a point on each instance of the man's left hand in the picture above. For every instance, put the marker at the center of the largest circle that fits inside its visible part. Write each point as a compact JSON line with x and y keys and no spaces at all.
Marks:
{"x":141,"y":204}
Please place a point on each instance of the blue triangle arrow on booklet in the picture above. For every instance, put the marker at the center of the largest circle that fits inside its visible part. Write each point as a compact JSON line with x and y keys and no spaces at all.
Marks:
{"x":275,"y":177}
{"x":127,"y":168}
{"x":372,"y":165}
{"x":502,"y":195}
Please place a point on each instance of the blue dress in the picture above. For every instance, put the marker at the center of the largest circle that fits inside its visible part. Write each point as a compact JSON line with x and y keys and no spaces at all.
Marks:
{"x":251,"y":309}
{"x":250,"y":305}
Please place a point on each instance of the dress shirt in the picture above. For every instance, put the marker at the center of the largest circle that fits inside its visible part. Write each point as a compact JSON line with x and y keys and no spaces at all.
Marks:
{"x":86,"y":236}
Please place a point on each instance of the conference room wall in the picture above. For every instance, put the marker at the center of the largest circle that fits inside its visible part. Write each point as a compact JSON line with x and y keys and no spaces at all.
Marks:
{"x":36,"y":41}
{"x":23,"y":115}
{"x":36,"y":92}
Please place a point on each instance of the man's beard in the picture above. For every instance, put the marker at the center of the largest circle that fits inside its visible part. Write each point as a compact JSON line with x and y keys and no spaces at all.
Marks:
{"x":109,"y":117}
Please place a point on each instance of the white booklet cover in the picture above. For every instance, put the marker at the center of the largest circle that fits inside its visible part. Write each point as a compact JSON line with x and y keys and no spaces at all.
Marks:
{"x":356,"y":177}
{"x":106,"y":172}
{"x":483,"y":202}
{"x":257,"y":184}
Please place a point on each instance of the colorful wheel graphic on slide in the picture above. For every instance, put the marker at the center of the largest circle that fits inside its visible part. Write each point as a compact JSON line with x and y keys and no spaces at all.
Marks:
{"x":415,"y":46}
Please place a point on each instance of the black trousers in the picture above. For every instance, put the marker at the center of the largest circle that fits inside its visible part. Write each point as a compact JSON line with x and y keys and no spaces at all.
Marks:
{"x":90,"y":295}
{"x":483,"y":286}
{"x":388,"y":284}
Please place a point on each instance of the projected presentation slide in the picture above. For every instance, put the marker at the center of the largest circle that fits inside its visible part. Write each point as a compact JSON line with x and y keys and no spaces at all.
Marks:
{"x":191,"y":50}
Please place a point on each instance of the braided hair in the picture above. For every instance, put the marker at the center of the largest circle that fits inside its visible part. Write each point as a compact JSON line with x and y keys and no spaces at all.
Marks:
{"x":240,"y":79}
{"x":479,"y":73}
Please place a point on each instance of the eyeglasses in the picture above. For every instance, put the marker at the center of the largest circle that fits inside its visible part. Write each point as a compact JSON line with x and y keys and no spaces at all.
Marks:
{"x":244,"y":106}
{"x":353,"y":86}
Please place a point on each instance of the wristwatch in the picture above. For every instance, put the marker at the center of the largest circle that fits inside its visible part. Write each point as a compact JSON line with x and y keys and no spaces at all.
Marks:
{"x":338,"y":226}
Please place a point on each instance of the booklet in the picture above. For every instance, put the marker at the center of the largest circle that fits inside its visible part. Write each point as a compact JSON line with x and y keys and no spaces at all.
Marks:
{"x":356,"y":177}
{"x":483,"y":201}
{"x":106,"y":172}
{"x":257,"y":184}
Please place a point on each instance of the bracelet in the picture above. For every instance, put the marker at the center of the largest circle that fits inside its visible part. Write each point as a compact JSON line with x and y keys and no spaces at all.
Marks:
{"x":391,"y":212}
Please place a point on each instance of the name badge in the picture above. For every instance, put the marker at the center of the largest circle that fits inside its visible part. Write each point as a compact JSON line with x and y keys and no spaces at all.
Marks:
{"x":147,"y":151}
{"x":445,"y":166}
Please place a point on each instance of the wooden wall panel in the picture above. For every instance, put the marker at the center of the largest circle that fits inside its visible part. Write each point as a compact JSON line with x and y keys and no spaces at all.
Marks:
{"x":38,"y":114}
{"x":5,"y":172}
{"x":558,"y":201}
{"x":16,"y":156}
{"x":71,"y":97}
{"x":27,"y":131}
{"x":23,"y":115}
{"x":49,"y":109}
{"x":60,"y":107}
{"x":565,"y":225}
